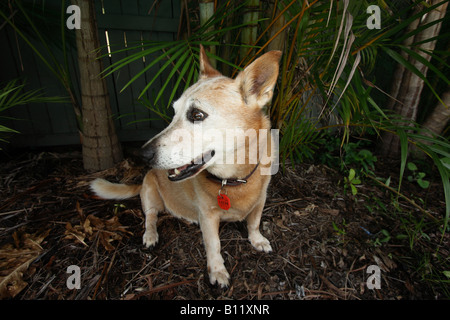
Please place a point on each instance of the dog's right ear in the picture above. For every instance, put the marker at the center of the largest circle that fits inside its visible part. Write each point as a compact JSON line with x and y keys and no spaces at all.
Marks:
{"x":206,"y":70}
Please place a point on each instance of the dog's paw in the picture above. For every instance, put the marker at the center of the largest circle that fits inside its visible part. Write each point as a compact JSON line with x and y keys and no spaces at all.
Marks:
{"x":220,"y":276}
{"x":150,"y":238}
{"x":260,"y":243}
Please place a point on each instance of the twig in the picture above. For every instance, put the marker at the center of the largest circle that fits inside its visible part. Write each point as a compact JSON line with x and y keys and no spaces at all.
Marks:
{"x":166,"y":287}
{"x":291,"y":264}
{"x":100,"y":280}
{"x":335,"y":289}
{"x":405,"y":198}
{"x":16,"y":212}
{"x":24,"y":193}
{"x":273,"y":204}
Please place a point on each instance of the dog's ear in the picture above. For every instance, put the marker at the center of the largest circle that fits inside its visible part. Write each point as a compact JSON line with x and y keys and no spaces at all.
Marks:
{"x":206,"y":70}
{"x":257,"y":81}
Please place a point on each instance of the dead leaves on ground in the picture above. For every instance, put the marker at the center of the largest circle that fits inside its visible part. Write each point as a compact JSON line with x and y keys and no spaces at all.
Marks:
{"x":15,"y":259}
{"x":106,"y":231}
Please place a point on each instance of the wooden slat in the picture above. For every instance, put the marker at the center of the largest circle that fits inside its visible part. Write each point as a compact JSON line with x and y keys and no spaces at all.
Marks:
{"x":135,"y":22}
{"x":133,"y":37}
{"x":110,"y":82}
{"x":165,"y":9}
{"x":121,"y":77}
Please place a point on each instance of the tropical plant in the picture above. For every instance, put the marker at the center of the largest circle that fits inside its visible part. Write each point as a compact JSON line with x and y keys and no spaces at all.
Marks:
{"x":417,"y":46}
{"x":181,"y":56}
{"x":29,"y":24}
{"x":351,"y":181}
{"x":13,"y":94}
{"x":417,"y":175}
{"x":328,"y":77}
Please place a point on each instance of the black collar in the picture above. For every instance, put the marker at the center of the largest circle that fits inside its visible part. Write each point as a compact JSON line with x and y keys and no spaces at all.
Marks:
{"x":231,"y":182}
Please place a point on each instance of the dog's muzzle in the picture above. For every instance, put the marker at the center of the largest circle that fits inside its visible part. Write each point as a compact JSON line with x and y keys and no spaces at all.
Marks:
{"x":178,"y":173}
{"x":190,"y":169}
{"x":148,"y":152}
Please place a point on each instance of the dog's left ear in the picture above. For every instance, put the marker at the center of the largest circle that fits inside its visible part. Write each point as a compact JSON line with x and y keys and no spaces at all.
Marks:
{"x":206,"y":70}
{"x":257,"y":81}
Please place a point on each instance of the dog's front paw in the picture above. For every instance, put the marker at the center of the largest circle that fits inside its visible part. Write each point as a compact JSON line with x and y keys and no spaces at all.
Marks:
{"x":220,"y":276}
{"x":150,"y":238}
{"x":260,"y":243}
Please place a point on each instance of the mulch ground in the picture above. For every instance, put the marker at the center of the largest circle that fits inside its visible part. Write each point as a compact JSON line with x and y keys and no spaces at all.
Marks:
{"x":323,"y":239}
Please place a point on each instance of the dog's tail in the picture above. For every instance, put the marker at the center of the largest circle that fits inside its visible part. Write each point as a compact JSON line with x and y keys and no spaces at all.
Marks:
{"x":107,"y":190}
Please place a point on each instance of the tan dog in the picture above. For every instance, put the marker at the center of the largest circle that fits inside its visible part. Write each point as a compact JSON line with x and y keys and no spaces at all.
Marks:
{"x":203,"y":170}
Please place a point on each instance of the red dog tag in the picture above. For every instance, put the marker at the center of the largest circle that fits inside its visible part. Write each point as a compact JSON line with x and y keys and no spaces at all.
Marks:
{"x":223,"y":201}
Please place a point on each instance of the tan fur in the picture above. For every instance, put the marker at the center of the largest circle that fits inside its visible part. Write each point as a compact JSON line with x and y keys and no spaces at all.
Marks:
{"x":108,"y":190}
{"x":229,"y":103}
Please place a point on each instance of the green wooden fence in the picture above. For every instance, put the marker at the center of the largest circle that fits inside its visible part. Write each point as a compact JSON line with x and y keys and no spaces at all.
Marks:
{"x":120,"y":24}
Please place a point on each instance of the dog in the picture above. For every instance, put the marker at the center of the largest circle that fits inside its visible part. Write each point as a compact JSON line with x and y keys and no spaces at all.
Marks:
{"x":197,"y":172}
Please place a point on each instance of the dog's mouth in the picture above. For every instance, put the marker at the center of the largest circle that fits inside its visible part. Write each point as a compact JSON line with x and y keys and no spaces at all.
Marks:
{"x":190,"y":169}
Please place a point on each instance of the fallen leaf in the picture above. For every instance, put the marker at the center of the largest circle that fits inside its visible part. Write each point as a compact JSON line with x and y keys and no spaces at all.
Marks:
{"x":76,"y":233}
{"x":15,"y":260}
{"x":107,"y":231}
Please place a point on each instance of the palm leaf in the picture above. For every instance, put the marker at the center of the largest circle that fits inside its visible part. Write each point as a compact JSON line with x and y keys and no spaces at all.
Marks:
{"x":408,"y":65}
{"x":178,"y":57}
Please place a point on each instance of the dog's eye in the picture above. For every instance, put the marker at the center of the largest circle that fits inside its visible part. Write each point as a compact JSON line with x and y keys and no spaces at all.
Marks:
{"x":196,"y":115}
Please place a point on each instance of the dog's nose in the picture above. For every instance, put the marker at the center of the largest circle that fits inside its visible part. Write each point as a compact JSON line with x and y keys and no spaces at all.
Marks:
{"x":148,"y":153}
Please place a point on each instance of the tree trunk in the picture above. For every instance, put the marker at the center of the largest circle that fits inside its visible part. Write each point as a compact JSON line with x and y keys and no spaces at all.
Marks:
{"x":249,"y":33}
{"x":278,"y":42}
{"x":206,"y":12}
{"x":101,"y":147}
{"x":407,"y":86}
{"x":438,"y":119}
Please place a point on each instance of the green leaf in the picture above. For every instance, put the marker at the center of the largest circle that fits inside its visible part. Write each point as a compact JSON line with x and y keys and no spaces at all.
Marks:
{"x":354,"y":190}
{"x":351,"y":174}
{"x":388,"y":181}
{"x":426,"y":63}
{"x":181,"y":60}
{"x":408,"y":65}
{"x":187,"y":64}
{"x":446,"y":162}
{"x":6,"y":129}
{"x":445,"y":176}
{"x":404,"y":154}
{"x":412,"y":166}
{"x":423,"y":183}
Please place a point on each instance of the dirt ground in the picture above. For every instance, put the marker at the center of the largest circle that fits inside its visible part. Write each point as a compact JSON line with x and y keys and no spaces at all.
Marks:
{"x":323,"y":239}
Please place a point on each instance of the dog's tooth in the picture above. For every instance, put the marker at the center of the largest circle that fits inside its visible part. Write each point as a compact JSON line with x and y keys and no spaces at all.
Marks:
{"x":177,"y":171}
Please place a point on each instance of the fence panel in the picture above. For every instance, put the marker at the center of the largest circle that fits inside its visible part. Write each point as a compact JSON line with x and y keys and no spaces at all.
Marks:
{"x":121,"y":23}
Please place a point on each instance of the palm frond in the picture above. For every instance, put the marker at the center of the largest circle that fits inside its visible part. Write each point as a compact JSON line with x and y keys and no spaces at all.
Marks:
{"x":178,"y":58}
{"x":12,"y":94}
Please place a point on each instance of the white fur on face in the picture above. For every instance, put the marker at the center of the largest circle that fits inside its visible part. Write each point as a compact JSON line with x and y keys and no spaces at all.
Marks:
{"x":184,"y":141}
{"x":233,"y":122}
